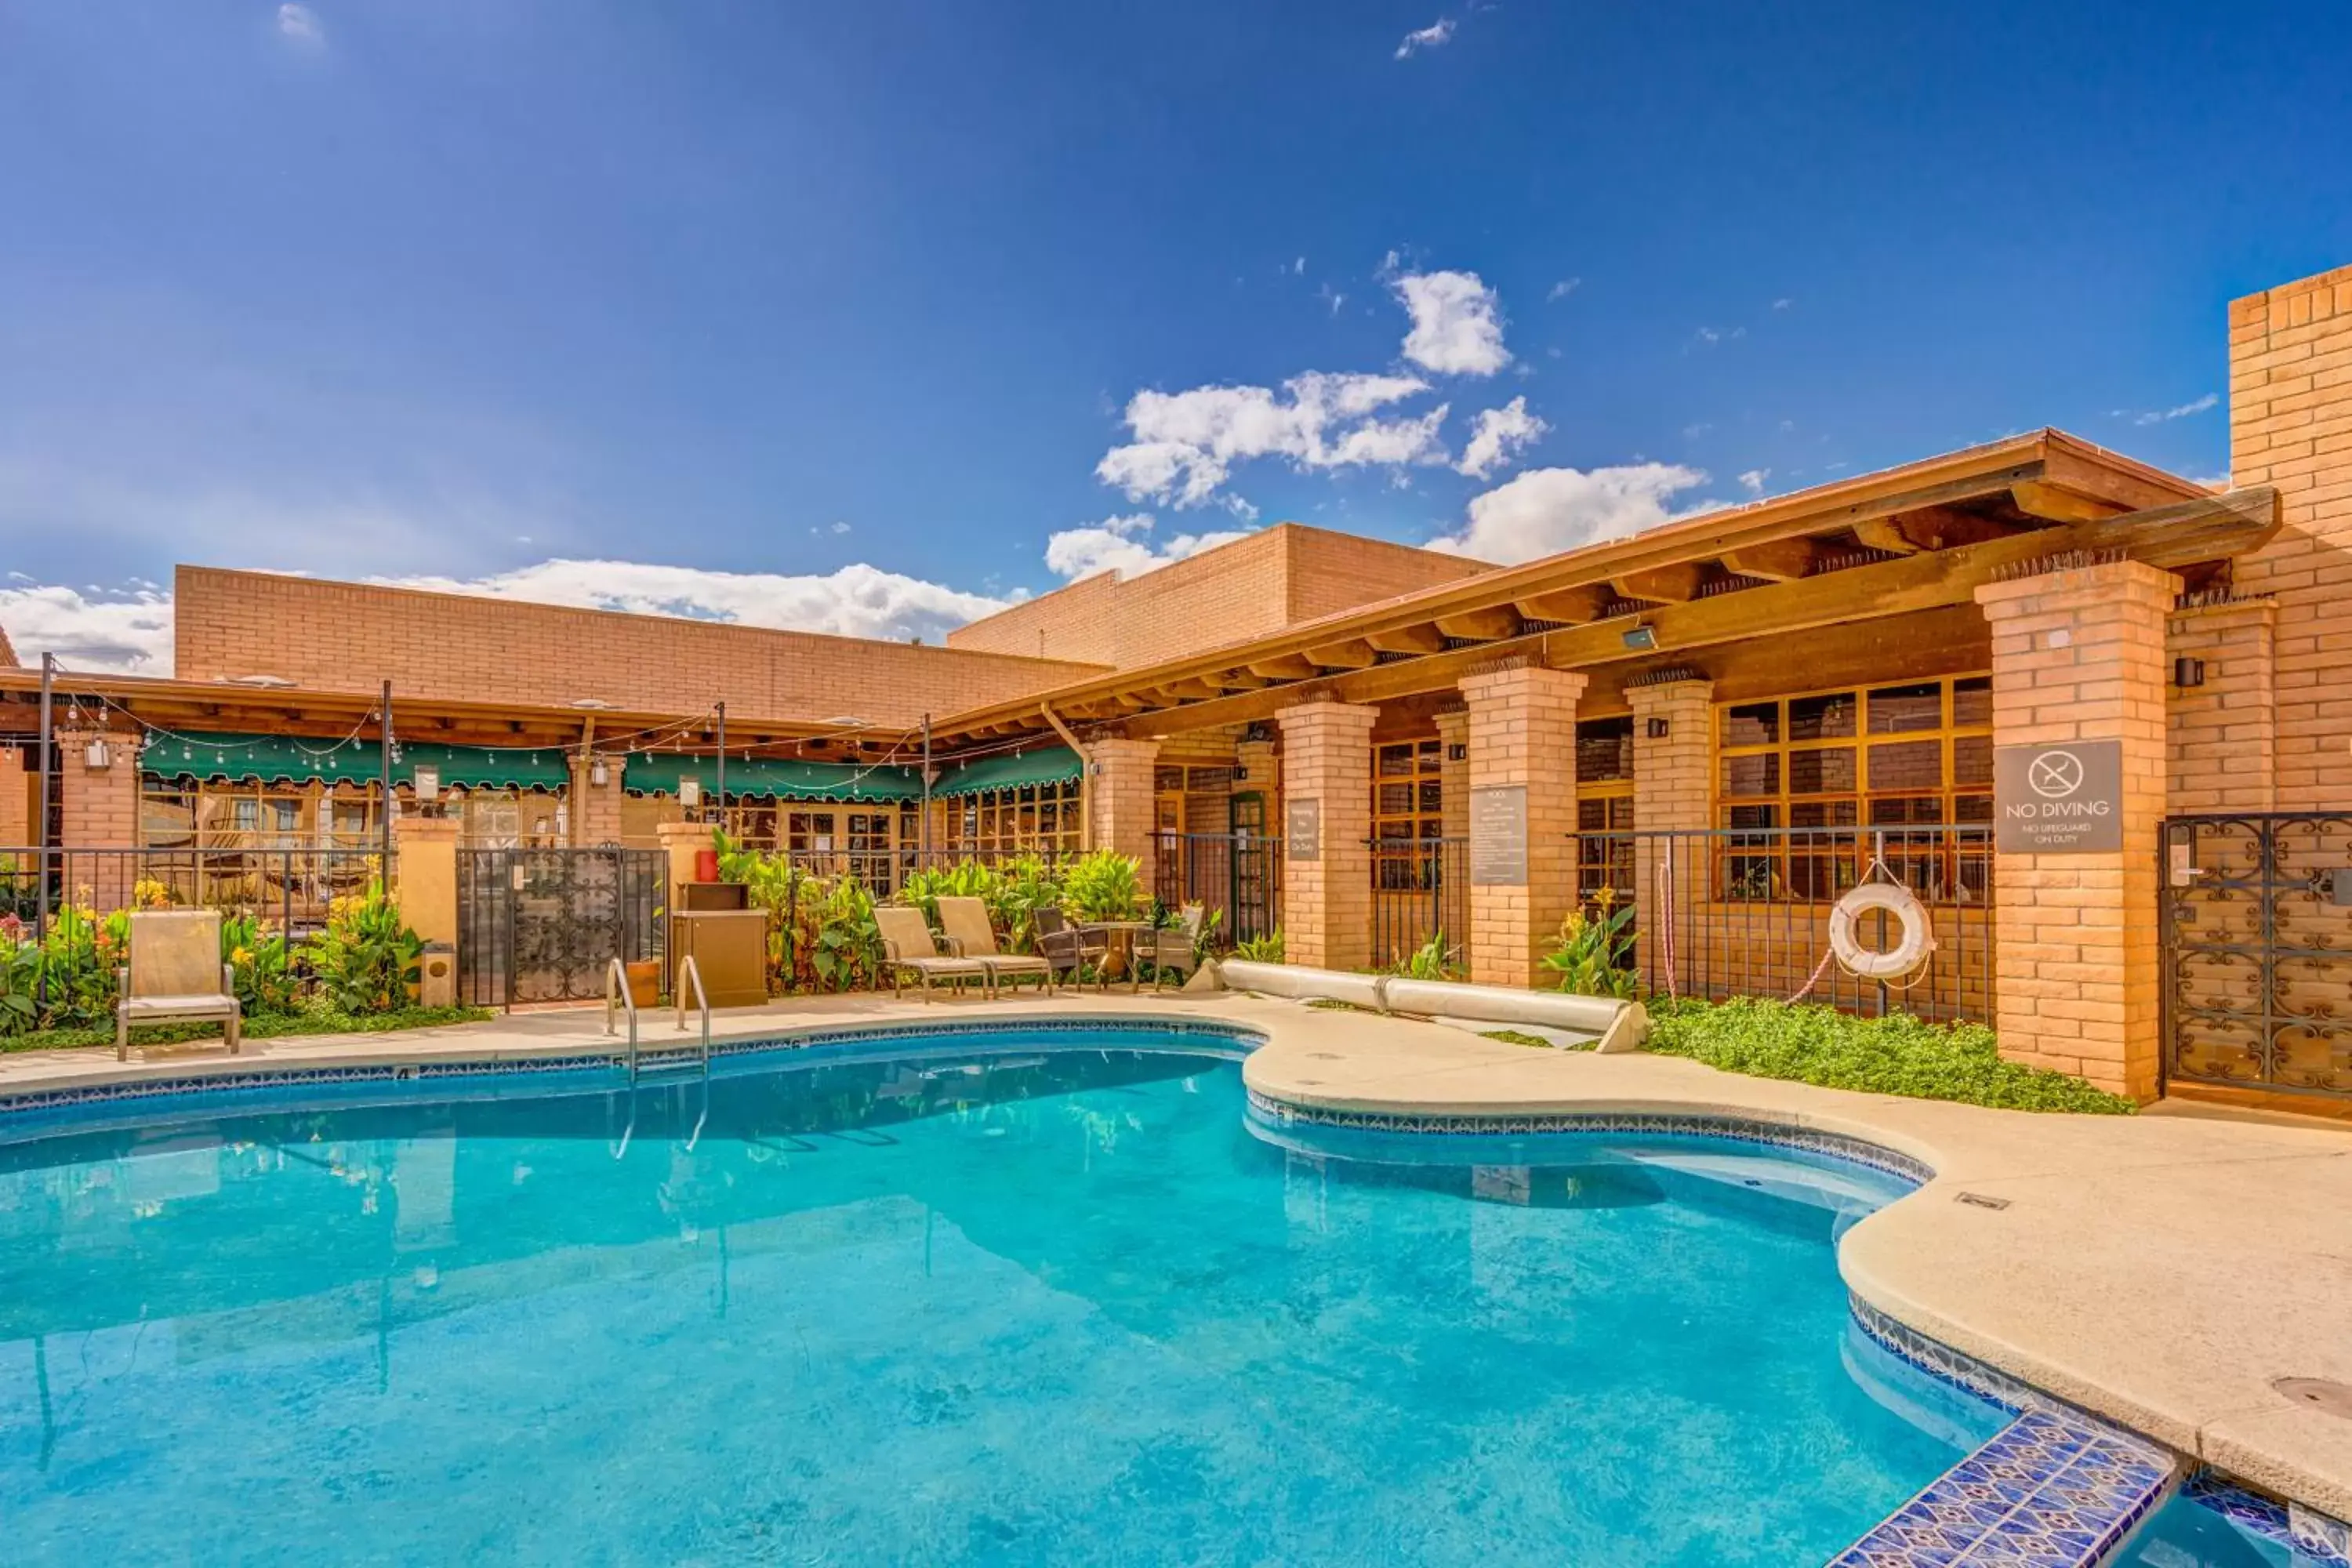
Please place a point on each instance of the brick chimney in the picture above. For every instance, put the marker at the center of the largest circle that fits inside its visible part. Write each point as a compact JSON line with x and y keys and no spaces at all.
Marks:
{"x":2290,"y":426}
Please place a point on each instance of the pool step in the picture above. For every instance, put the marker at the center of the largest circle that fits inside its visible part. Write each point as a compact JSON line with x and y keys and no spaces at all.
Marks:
{"x":2054,"y":1488}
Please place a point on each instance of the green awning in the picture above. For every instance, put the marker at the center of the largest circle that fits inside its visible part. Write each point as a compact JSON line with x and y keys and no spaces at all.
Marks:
{"x":297,"y":759}
{"x":658,"y":773}
{"x":1040,"y":766}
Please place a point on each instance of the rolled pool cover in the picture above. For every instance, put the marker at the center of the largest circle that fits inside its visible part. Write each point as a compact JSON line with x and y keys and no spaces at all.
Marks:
{"x":1615,"y":1026}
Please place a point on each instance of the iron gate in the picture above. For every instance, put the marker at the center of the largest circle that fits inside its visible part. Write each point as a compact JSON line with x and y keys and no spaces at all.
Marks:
{"x":2257,"y":922}
{"x":1421,"y":893}
{"x":542,"y":925}
{"x":1238,"y":876}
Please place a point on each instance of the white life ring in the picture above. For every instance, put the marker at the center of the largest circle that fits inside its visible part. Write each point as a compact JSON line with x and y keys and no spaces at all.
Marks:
{"x":1911,"y":950}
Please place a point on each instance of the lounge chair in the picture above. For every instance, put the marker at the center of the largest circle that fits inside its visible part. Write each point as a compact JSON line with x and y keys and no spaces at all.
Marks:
{"x":175,"y":977}
{"x":965,"y":921}
{"x":908,"y":947}
{"x":1069,"y":949}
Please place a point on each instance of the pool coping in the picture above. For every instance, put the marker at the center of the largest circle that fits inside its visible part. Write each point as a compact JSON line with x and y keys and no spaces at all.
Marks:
{"x":1910,"y":1261}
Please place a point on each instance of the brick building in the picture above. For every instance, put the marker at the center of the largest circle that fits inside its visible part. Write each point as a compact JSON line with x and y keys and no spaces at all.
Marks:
{"x":1726,"y":721}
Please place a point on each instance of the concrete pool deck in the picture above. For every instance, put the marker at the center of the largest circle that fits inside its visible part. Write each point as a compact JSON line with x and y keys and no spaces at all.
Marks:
{"x":2161,"y":1271}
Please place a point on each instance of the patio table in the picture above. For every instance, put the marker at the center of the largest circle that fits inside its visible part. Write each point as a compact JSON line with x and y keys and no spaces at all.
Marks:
{"x":1119,"y":945}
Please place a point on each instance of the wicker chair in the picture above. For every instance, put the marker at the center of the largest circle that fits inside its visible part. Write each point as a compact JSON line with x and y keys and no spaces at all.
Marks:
{"x":1069,"y":950}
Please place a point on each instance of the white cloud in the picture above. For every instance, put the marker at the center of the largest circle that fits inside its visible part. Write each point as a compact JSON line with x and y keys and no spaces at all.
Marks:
{"x":1753,"y":482}
{"x":1118,"y":545}
{"x":1563,"y":289}
{"x":1547,"y":510}
{"x":301,"y":24}
{"x":1186,"y":442}
{"x":2181,"y":411}
{"x":1458,"y":325}
{"x":856,"y":601}
{"x":1782,"y":303}
{"x":1298,"y":267}
{"x":1331,"y":296}
{"x":1437,"y":35}
{"x":127,"y":632}
{"x":1496,"y":435}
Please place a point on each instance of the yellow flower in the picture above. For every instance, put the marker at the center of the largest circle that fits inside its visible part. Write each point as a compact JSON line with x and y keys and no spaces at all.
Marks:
{"x":241,"y":955}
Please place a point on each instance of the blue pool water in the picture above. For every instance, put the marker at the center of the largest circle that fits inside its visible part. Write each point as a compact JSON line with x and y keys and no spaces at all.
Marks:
{"x":1058,"y":1302}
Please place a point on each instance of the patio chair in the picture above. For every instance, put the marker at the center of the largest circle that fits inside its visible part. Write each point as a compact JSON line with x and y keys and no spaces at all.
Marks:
{"x":1069,"y":949}
{"x":1169,"y":951}
{"x":908,"y":947}
{"x":175,"y":977}
{"x":965,"y":921}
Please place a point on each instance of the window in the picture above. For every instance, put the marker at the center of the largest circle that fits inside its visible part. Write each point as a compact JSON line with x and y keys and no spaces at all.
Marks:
{"x":1408,"y":798}
{"x":1040,"y":819}
{"x":1604,"y":809}
{"x":1818,"y":778}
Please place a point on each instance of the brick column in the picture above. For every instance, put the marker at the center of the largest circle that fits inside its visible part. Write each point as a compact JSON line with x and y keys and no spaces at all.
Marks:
{"x":2221,"y":736}
{"x":679,"y":842}
{"x":595,"y":810}
{"x":99,"y":809}
{"x":1326,"y":895}
{"x":424,"y":861}
{"x":1673,"y":788}
{"x":2290,"y":426}
{"x":1454,"y":774}
{"x":17,"y":785}
{"x":1523,"y":738}
{"x":2079,"y":655}
{"x":1120,"y":800}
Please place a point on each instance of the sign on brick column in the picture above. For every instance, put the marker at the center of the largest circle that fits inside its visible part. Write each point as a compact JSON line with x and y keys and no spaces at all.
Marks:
{"x":1674,"y":737}
{"x":2078,"y":678}
{"x":1327,"y":861}
{"x":1522,"y":819}
{"x":1120,"y":798}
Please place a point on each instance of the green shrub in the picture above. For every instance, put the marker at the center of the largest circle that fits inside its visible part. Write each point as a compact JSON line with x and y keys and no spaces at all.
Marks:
{"x":1104,"y":885}
{"x":269,"y":1027}
{"x":365,"y":960}
{"x":1594,"y":954}
{"x":1266,"y":949}
{"x":1430,"y":960}
{"x":1898,"y":1054}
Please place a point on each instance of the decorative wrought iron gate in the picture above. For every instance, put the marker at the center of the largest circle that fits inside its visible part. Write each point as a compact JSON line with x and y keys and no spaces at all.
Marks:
{"x":542,"y":925}
{"x":2257,"y":923}
{"x":1237,"y":875}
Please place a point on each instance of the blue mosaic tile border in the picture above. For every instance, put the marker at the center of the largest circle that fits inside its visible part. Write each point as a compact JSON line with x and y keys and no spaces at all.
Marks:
{"x":231,"y":1081}
{"x":1782,"y":1135}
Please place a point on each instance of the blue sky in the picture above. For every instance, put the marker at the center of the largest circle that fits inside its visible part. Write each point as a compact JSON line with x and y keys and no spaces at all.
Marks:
{"x":838,"y":316}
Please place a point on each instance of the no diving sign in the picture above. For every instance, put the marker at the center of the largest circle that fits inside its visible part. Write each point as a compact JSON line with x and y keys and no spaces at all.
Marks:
{"x":2059,"y":800}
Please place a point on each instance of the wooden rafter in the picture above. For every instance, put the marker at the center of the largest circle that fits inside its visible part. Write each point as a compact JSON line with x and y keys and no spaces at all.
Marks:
{"x":1416,"y":639}
{"x":2036,"y":499}
{"x":1352,"y":653}
{"x":1573,"y":605}
{"x":1775,"y":560}
{"x":1480,"y":625}
{"x":1674,"y":584}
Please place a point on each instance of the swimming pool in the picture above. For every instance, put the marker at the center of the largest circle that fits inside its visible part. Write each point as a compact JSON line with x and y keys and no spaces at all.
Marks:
{"x":1051,"y":1298}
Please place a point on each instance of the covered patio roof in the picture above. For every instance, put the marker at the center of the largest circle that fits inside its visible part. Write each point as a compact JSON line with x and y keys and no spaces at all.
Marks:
{"x":1822,"y":572}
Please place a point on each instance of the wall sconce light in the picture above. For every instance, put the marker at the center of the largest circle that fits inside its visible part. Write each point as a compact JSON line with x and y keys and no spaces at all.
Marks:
{"x":2188,"y":671}
{"x":1660,"y":729}
{"x":598,"y":773}
{"x":689,"y":794}
{"x":1457,"y":753}
{"x":96,"y":754}
{"x":426,"y":782}
{"x":1641,"y":639}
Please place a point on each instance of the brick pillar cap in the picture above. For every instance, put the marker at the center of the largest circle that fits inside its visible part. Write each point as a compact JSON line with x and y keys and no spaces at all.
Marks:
{"x":2100,"y":581}
{"x":668,"y":831}
{"x":424,"y":829}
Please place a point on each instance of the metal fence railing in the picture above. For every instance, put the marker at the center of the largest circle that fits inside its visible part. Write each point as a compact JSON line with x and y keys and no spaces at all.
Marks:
{"x":292,"y":889}
{"x":1420,"y":891}
{"x":1745,"y":912}
{"x":1235,"y":876}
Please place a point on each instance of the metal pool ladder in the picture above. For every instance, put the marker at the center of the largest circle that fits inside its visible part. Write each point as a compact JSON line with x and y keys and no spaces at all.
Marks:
{"x":616,"y":996}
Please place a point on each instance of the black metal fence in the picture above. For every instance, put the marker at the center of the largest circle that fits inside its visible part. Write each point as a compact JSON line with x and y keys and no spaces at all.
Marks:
{"x":293,"y":889}
{"x":1235,"y":876}
{"x":1745,"y":912}
{"x":1421,"y":893}
{"x":544,"y":925}
{"x":2257,"y":950}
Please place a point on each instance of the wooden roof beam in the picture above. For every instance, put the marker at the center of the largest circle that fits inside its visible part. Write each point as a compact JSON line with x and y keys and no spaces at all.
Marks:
{"x":1675,"y":584}
{"x":1283,"y":666}
{"x":1573,"y":605}
{"x":2036,"y":499}
{"x":1886,"y":534}
{"x":1775,"y":560}
{"x":1354,"y":653}
{"x":1420,"y":639}
{"x":1480,"y":625}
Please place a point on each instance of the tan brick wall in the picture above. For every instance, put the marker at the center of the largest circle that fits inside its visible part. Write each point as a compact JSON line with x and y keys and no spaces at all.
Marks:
{"x":1673,"y":788}
{"x":17,"y":785}
{"x":2080,"y":655}
{"x":99,"y":808}
{"x":1120,"y":798}
{"x":1454,"y":774}
{"x":1271,"y":579}
{"x":1523,"y":734}
{"x":1327,"y":756}
{"x":2221,"y":737}
{"x":2290,"y":426}
{"x":345,"y":636}
{"x":594,"y":813}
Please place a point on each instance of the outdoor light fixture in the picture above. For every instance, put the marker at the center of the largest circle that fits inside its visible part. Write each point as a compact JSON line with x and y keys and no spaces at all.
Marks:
{"x":96,"y":754}
{"x":426,"y":782}
{"x":2188,"y":671}
{"x":598,"y":773}
{"x":1641,"y":639}
{"x":689,"y":793}
{"x":1660,"y":729}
